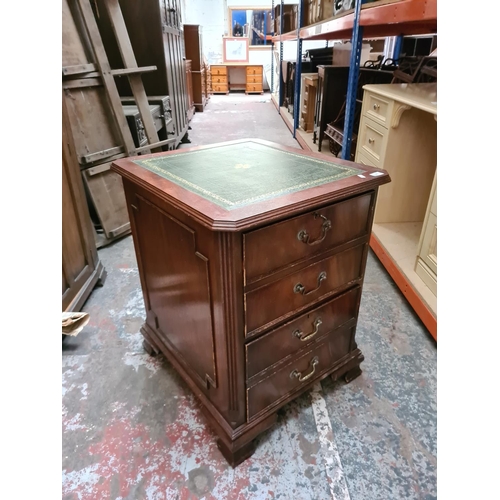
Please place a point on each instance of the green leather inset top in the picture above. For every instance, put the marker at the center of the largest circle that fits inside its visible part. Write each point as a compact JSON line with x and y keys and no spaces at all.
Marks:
{"x":237,"y":175}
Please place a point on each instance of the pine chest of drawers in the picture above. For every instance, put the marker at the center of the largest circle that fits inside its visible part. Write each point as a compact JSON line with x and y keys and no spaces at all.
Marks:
{"x":251,"y":257}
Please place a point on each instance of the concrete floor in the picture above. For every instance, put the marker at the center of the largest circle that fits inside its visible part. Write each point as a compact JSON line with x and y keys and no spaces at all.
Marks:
{"x":132,"y":429}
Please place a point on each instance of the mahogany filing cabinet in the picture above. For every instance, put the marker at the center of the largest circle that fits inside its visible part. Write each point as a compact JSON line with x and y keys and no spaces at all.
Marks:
{"x":251,"y":257}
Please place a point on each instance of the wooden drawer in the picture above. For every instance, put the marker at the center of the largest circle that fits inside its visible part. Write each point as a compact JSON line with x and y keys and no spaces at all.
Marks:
{"x":254,"y":79}
{"x":218,"y":70}
{"x":426,"y":275}
{"x":254,"y":87}
{"x":220,"y":79}
{"x":364,"y":159}
{"x":219,"y":87}
{"x":286,"y":341}
{"x":302,"y":371}
{"x":254,"y":70}
{"x":292,"y":294}
{"x":379,"y":109}
{"x":372,"y":138}
{"x":273,"y":247}
{"x":428,"y":250}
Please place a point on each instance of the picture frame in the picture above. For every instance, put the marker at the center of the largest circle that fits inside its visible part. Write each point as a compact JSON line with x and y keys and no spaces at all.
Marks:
{"x":235,"y":49}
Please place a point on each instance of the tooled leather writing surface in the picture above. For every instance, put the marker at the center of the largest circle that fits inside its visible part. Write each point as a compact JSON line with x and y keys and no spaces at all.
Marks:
{"x":238,"y":175}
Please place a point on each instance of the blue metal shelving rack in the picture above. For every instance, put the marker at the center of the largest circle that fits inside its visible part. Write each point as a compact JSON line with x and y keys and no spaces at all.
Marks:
{"x":272,"y":47}
{"x":410,"y":16}
{"x":352,"y":83}
{"x":357,"y":43}
{"x":298,"y":71}
{"x":280,"y":97}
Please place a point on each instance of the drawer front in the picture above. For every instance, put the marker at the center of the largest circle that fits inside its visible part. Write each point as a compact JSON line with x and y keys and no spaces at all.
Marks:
{"x":220,"y":79}
{"x":364,"y":159}
{"x":219,"y":87}
{"x":218,"y":70}
{"x":372,"y":138}
{"x":254,"y":79}
{"x":276,"y":246}
{"x":300,"y":372}
{"x":427,"y":276}
{"x":297,"y":291}
{"x":379,"y":109}
{"x":254,"y":70}
{"x":255,"y":87}
{"x":298,"y":334}
{"x":428,"y":252}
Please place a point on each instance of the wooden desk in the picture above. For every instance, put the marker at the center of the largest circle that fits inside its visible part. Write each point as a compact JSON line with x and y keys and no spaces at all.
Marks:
{"x":251,"y":269}
{"x":221,"y":80}
{"x":398,"y":132}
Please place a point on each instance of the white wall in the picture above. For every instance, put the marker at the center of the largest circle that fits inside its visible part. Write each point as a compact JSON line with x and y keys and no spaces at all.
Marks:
{"x":210,"y":15}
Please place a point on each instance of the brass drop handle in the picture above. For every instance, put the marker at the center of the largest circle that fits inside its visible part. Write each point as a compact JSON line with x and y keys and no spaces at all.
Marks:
{"x":376,"y":107}
{"x":370,"y":140}
{"x":299,"y":334}
{"x":299,"y":288}
{"x":303,"y":235}
{"x":297,"y":374}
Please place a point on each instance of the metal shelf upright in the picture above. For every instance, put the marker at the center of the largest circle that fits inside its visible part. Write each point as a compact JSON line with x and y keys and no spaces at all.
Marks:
{"x":298,"y":70}
{"x":352,"y":83}
{"x":280,"y":96}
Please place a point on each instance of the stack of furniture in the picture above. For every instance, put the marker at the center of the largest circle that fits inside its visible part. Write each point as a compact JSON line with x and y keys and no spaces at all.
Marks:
{"x":194,"y":52}
{"x":157,"y":39}
{"x":285,"y":17}
{"x":97,"y":119}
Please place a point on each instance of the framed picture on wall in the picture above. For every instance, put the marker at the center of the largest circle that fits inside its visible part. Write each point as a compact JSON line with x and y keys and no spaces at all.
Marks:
{"x":235,"y":49}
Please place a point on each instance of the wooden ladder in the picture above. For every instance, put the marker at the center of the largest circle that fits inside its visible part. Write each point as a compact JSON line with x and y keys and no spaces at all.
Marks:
{"x":131,"y":71}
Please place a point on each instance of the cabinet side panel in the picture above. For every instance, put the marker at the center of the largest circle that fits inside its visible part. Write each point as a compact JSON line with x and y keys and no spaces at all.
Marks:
{"x":177,"y":278}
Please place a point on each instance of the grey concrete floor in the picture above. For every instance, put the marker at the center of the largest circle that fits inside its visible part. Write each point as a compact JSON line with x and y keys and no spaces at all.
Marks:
{"x":133,"y":430}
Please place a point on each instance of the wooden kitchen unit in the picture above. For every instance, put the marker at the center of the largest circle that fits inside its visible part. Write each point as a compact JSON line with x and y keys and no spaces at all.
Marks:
{"x":223,"y":79}
{"x":252,"y":271}
{"x":398,"y":132}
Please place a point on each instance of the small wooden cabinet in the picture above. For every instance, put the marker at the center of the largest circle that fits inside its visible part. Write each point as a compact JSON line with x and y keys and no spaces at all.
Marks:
{"x":308,"y":103}
{"x":219,"y":79}
{"x":194,"y":52}
{"x":254,"y":80}
{"x":252,"y":271}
